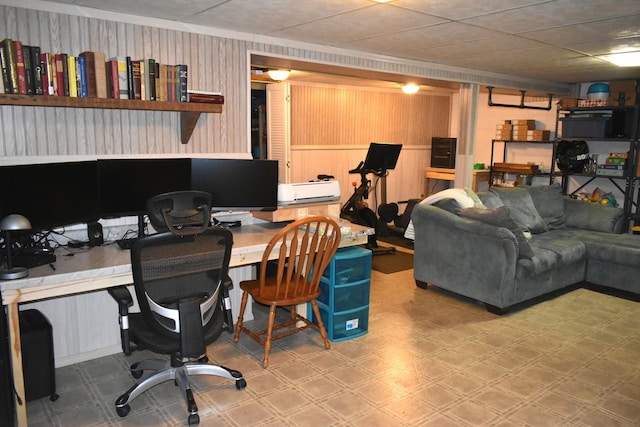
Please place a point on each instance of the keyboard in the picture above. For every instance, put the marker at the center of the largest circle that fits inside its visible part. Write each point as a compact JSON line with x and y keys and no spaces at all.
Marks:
{"x":125,"y":243}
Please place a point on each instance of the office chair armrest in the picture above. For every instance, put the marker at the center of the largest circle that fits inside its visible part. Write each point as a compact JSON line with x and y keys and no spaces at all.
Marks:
{"x":228,"y":283}
{"x":123,"y":297}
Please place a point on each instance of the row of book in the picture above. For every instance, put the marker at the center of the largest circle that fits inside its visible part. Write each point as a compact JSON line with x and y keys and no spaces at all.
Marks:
{"x":28,"y":71}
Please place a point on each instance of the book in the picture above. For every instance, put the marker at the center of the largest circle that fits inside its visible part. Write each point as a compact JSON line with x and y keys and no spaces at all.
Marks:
{"x":37,"y":71}
{"x":150,"y":80}
{"x":96,"y":74}
{"x":123,"y":81}
{"x":130,"y":78}
{"x":18,"y":53}
{"x":143,"y":81}
{"x":181,"y":84}
{"x":60,"y":76}
{"x":82,"y":76}
{"x":65,"y":74}
{"x":45,"y":72}
{"x":113,"y":78}
{"x":161,"y":82}
{"x":28,"y":69}
{"x":136,"y":79}
{"x":71,"y":76}
{"x":9,"y":72}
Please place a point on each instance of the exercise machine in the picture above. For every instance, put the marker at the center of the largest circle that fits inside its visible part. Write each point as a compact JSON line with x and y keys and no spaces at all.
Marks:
{"x":380,"y":159}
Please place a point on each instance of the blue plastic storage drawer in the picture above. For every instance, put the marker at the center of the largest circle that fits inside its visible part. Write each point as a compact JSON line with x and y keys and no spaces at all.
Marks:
{"x":345,"y":297}
{"x":346,"y":325}
{"x":350,"y":264}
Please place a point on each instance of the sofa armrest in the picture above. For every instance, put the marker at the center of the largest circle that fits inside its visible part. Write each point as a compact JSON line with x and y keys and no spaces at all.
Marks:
{"x":593,"y":217}
{"x":465,"y":256}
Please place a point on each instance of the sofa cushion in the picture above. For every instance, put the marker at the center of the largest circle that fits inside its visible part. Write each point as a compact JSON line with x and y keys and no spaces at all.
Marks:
{"x":549,"y":203}
{"x":551,"y":251}
{"x":593,"y":217}
{"x":523,"y":211}
{"x":489,"y":199}
{"x":500,"y":217}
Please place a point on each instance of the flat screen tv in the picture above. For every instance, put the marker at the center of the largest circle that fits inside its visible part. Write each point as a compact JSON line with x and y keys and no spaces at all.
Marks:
{"x":126,"y":184}
{"x":237,"y":184}
{"x":50,"y":195}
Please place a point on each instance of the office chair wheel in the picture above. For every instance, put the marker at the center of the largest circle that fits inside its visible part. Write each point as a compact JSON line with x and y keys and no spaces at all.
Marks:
{"x":193,"y":420}
{"x":136,"y":373}
{"x":241,"y":383}
{"x":123,"y":411}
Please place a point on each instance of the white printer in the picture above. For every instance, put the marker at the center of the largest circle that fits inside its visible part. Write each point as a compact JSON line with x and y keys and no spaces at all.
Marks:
{"x":308,"y":192}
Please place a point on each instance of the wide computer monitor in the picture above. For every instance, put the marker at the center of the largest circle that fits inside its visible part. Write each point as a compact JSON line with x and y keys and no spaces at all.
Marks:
{"x":382,"y":156}
{"x":50,"y":195}
{"x":237,"y":184}
{"x":126,"y":184}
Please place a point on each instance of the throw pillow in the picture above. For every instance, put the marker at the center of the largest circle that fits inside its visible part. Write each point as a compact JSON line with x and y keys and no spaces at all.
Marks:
{"x":501,"y":217}
{"x":549,"y":203}
{"x":522,"y":209}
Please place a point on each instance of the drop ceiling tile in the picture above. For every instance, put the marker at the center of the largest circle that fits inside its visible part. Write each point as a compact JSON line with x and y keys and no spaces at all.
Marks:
{"x":258,"y":18}
{"x":421,"y":37}
{"x":607,"y":46}
{"x":358,"y":24}
{"x":459,"y":9}
{"x":168,"y":9}
{"x":555,"y":14}
{"x":614,"y":28}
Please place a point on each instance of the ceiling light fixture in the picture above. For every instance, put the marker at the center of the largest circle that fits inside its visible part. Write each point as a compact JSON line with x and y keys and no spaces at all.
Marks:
{"x":410,"y":88}
{"x":623,"y":59}
{"x":278,"y":75}
{"x":381,"y":1}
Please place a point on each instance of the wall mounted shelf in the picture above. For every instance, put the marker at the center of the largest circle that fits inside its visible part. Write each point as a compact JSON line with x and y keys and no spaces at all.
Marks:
{"x":189,"y":111}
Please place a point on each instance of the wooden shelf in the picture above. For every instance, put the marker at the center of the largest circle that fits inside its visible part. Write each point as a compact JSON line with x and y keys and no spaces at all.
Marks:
{"x":189,"y":111}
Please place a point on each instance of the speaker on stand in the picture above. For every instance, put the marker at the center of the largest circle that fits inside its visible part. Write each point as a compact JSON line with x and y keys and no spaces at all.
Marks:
{"x":94,"y":232}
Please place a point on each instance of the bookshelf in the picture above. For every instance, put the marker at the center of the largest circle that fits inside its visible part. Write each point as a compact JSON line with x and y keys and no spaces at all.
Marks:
{"x":189,"y":111}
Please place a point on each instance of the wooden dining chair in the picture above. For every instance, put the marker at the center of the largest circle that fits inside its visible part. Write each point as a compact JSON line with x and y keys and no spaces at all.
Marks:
{"x":303,"y":249}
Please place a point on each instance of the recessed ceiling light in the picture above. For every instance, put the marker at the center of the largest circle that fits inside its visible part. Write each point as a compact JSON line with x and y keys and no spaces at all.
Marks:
{"x":623,"y":59}
{"x":382,"y":1}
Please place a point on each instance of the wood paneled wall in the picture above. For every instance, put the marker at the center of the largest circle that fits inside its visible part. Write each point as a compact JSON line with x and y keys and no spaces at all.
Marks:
{"x":214,"y":64}
{"x":338,"y":116}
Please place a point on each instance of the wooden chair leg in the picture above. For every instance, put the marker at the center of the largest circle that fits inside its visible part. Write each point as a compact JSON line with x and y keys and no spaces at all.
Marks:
{"x":323,"y":331}
{"x":268,"y":337}
{"x":243,"y":306}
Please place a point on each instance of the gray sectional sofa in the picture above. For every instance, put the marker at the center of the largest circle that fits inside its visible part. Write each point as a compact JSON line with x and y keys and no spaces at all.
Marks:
{"x":484,"y":254}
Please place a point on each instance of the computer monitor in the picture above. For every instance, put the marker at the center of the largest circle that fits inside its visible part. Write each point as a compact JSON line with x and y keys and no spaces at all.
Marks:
{"x":382,"y":156}
{"x":237,"y":184}
{"x":126,"y":184}
{"x":50,"y":195}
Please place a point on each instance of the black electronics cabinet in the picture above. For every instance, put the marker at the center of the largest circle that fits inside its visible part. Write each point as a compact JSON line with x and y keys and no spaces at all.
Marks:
{"x":37,"y":355}
{"x":443,"y":152}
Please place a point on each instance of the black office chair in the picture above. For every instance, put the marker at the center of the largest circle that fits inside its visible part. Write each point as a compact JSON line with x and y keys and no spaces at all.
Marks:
{"x":181,"y":284}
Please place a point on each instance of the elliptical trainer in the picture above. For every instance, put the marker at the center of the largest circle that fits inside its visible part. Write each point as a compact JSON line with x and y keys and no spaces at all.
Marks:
{"x":380,"y":158}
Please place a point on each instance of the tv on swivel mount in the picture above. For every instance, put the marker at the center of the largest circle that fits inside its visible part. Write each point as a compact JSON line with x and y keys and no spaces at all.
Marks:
{"x":381,"y":157}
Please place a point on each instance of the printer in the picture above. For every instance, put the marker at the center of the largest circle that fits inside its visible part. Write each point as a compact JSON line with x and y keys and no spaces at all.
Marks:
{"x":308,"y":192}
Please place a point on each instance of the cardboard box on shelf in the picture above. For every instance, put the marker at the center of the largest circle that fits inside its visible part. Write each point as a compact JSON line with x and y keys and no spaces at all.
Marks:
{"x":528,"y":124}
{"x":538,"y":135}
{"x":622,"y":93}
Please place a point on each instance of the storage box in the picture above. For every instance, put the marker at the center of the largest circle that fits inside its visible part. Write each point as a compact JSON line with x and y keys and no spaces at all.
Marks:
{"x":346,"y":325}
{"x":538,"y":135}
{"x":527,"y":124}
{"x":585,"y":127}
{"x":622,"y":93}
{"x":349,"y":265}
{"x":568,"y":102}
{"x":345,"y":297}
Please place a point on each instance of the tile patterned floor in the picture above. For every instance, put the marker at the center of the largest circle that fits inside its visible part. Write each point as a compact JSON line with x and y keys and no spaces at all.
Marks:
{"x":429,"y":359}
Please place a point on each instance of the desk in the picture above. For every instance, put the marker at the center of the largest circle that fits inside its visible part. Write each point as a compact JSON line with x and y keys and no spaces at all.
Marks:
{"x":479,"y":176}
{"x":105,"y":266}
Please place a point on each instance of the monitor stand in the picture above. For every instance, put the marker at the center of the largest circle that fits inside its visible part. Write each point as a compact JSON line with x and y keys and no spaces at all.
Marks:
{"x":127,"y":242}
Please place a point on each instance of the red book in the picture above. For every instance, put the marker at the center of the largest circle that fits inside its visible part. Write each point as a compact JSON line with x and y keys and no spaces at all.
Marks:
{"x":112,"y":75}
{"x":22,"y":77}
{"x":44,"y":63}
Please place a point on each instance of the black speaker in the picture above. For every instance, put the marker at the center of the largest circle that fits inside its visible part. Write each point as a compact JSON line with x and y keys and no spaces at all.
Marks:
{"x":94,"y":231}
{"x":37,"y":355}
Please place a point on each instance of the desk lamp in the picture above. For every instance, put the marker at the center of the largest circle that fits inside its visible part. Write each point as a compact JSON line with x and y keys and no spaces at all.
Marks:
{"x":13,"y":222}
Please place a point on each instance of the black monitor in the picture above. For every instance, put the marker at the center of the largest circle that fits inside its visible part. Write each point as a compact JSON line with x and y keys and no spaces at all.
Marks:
{"x":50,"y":195}
{"x":127,"y":184}
{"x":237,"y":184}
{"x":382,"y":156}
